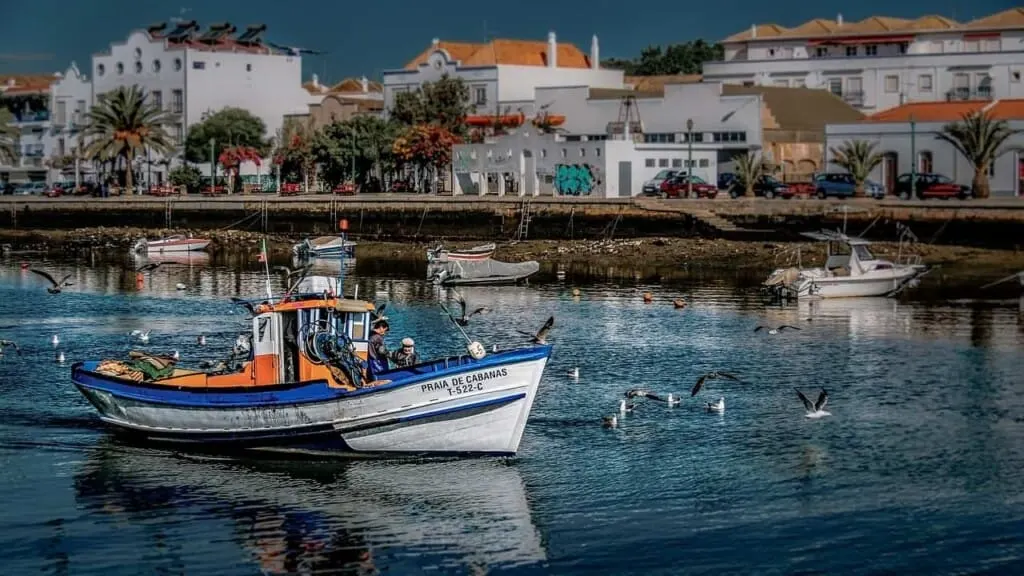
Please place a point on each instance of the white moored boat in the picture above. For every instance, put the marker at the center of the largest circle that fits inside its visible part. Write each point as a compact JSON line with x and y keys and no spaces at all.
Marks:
{"x":170,"y":244}
{"x":302,"y":386}
{"x":325,"y":246}
{"x":850,"y":271}
{"x":474,"y":254}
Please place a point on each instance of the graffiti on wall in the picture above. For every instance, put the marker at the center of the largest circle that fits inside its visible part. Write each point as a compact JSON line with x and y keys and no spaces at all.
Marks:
{"x":576,"y":179}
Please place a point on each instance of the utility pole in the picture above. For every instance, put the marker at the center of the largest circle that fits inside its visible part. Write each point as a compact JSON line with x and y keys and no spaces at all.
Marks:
{"x":689,"y":157}
{"x":213,"y":166}
{"x":913,"y":157}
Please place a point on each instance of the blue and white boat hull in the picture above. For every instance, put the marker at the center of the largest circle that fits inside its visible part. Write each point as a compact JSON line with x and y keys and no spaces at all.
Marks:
{"x":469,"y":407}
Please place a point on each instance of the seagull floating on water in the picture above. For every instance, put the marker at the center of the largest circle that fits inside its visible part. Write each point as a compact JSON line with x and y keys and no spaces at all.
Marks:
{"x":142,"y":336}
{"x":775,"y":330}
{"x":9,"y":344}
{"x":59,"y":358}
{"x":625,"y":407}
{"x":816,"y":410}
{"x":714,"y":375}
{"x":715,"y":406}
{"x":55,"y":340}
{"x":55,"y":287}
{"x":176,"y":356}
{"x":574,"y":373}
{"x":610,"y":421}
{"x":201,"y":340}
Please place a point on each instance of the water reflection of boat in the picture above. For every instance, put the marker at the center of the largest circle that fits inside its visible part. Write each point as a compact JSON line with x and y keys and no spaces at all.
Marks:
{"x":330,"y":516}
{"x":187,"y":258}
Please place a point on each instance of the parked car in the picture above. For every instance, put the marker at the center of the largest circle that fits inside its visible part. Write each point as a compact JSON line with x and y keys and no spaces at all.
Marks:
{"x":726,"y":180}
{"x":680,"y":185}
{"x":767,"y":186}
{"x":653,"y":186}
{"x":931,"y":186}
{"x":6,"y":188}
{"x":31,"y":188}
{"x":843,"y":186}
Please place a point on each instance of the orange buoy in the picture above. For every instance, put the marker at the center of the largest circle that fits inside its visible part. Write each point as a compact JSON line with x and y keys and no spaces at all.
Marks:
{"x":648,"y":297}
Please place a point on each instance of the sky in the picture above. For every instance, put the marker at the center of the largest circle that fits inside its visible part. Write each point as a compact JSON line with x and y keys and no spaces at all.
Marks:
{"x":365,"y":38}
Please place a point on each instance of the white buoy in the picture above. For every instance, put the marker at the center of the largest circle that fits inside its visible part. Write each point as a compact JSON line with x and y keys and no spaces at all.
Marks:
{"x":180,"y":286}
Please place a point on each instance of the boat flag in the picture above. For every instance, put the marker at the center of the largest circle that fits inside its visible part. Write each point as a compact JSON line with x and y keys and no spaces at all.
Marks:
{"x":266,"y":267}
{"x":263,"y":251}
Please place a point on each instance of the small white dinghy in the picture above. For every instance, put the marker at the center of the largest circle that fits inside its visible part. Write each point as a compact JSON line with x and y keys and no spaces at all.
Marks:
{"x":176,"y":243}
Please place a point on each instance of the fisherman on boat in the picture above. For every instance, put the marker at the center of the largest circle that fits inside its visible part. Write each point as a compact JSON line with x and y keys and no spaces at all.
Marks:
{"x":406,"y":355}
{"x":377,"y":351}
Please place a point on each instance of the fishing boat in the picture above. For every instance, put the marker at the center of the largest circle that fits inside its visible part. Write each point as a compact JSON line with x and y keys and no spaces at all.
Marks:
{"x":297,"y":382}
{"x":475,"y":254}
{"x":850,"y":271}
{"x":325,"y":246}
{"x":171,"y":244}
{"x":480,"y":272}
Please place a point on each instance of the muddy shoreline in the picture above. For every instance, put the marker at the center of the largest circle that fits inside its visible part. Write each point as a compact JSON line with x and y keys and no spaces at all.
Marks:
{"x":673,"y":253}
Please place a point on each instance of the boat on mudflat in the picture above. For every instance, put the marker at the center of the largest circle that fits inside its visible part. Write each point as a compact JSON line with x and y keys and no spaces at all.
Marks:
{"x":171,"y":244}
{"x":325,"y":246}
{"x":475,"y":254}
{"x":850,"y":271}
{"x":298,"y":383}
{"x":480,"y":272}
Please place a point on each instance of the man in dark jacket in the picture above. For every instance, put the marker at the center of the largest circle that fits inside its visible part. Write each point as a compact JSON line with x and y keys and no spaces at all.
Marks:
{"x":377,"y":355}
{"x":406,"y":355}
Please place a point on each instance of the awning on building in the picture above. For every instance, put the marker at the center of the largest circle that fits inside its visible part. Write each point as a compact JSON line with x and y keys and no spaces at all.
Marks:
{"x":858,"y":40}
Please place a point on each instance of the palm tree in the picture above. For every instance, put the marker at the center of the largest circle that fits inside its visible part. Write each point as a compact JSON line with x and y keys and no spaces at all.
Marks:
{"x":858,"y":157}
{"x":123,"y":123}
{"x":978,"y":138}
{"x":749,"y":169}
{"x":8,"y":138}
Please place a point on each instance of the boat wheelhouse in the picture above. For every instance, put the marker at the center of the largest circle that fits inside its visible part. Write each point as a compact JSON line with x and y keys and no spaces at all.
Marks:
{"x":298,"y":383}
{"x":850,"y":271}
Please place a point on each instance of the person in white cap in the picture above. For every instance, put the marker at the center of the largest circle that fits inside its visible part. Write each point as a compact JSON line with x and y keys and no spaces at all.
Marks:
{"x":406,"y":355}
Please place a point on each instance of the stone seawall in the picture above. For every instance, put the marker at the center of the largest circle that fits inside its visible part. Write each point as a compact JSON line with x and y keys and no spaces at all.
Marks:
{"x":990,"y":223}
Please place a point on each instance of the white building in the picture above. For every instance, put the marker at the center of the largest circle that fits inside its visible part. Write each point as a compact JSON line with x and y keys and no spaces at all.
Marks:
{"x":899,"y":142}
{"x":191,"y":72}
{"x":609,"y":142}
{"x":49,"y":113}
{"x":882,"y":62}
{"x":503,"y":73}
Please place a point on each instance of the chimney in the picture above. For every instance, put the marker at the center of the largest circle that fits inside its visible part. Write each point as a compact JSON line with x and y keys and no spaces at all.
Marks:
{"x":365,"y":83}
{"x":595,"y":53}
{"x":839,"y":19}
{"x":435,"y":42}
{"x":552,"y":51}
{"x":316,"y":80}
{"x":753,"y":30}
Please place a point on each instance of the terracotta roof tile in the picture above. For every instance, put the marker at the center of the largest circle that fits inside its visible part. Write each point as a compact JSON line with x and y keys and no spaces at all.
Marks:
{"x":1008,"y":110}
{"x":350,"y":85}
{"x":1012,"y":18}
{"x":26,"y":83}
{"x":928,"y":112}
{"x":878,"y":25}
{"x":507,"y":52}
{"x":763,"y":31}
{"x":655,"y":83}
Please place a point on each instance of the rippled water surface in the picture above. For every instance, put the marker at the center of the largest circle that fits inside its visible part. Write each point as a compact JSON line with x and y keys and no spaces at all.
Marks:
{"x":919,"y":470}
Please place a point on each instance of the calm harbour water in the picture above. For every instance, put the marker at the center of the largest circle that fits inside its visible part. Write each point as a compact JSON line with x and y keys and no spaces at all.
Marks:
{"x":917,"y":472}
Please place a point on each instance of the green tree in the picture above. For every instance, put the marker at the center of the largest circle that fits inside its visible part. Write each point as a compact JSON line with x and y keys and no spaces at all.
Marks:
{"x":124,"y":123}
{"x":979,"y":139}
{"x":228,"y":127}
{"x":8,"y":138}
{"x":444,"y":103}
{"x":684,"y":58}
{"x":363,"y":143}
{"x":749,"y":169}
{"x":859,"y":158}
{"x":297,"y":150}
{"x":187,"y":176}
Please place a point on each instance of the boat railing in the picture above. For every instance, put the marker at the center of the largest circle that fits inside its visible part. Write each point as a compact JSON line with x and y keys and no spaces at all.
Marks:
{"x":910,"y":260}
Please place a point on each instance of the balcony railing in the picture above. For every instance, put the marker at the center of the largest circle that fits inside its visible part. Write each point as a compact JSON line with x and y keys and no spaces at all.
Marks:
{"x":32,"y":162}
{"x":33,"y":153}
{"x":979,"y":93}
{"x":853,"y":97}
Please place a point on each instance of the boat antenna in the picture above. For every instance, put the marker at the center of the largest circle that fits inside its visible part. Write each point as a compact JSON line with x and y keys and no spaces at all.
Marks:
{"x":266,"y":267}
{"x":343,"y":226}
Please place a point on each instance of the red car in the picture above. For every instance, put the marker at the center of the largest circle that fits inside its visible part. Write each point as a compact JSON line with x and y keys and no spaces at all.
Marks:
{"x":930,"y":186}
{"x":681,"y":185}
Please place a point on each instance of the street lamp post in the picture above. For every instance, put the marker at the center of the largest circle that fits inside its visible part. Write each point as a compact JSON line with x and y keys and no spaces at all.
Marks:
{"x":213,"y":166}
{"x":689,"y":157}
{"x":913,"y":157}
{"x":149,"y":170}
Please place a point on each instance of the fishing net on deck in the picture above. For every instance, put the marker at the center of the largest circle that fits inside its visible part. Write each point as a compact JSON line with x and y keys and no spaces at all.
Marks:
{"x":141,"y":368}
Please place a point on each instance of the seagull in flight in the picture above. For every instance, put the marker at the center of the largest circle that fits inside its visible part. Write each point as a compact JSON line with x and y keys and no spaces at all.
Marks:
{"x":670,"y":399}
{"x":143,"y":336}
{"x":292,"y":278}
{"x":817,"y":409}
{"x":714,"y":375}
{"x":541,"y":337}
{"x":775,"y":330}
{"x":56,"y":286}
{"x":464,"y":319}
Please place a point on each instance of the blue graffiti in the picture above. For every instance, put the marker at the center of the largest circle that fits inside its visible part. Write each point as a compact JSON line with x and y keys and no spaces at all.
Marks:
{"x":574,"y":179}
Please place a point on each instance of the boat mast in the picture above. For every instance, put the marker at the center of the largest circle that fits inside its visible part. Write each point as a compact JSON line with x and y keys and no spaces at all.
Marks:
{"x":343,"y":225}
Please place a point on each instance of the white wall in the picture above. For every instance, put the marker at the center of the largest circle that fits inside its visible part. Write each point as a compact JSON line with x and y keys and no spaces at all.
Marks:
{"x":518,"y":83}
{"x":71,"y":99}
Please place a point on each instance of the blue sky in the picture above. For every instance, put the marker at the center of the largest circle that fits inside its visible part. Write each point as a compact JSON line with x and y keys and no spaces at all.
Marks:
{"x":368,"y":37}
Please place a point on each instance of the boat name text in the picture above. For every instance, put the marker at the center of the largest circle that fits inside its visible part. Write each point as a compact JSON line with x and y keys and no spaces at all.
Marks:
{"x":458,"y":385}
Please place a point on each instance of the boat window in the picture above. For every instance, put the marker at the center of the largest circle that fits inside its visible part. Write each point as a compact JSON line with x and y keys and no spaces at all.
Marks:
{"x":358,"y":331}
{"x":262,"y":330}
{"x":863,"y":254}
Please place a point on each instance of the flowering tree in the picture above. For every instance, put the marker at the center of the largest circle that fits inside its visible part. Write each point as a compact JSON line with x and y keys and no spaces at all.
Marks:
{"x":296,"y":153}
{"x":426,"y":146}
{"x":233,"y":157}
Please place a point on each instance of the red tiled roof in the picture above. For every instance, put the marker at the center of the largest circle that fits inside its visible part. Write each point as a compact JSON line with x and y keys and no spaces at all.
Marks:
{"x":950,"y":111}
{"x":26,"y":83}
{"x":507,"y":52}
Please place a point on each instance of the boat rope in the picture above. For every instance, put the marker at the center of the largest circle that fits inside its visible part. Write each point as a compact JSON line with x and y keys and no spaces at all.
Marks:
{"x":233,"y":224}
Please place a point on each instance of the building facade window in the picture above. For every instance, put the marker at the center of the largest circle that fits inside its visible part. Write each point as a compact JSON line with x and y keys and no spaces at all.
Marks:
{"x":697,"y":137}
{"x":597,"y":152}
{"x":100,"y":69}
{"x":970,"y":46}
{"x":198,"y":65}
{"x":157,"y":98}
{"x":924,"y":83}
{"x":729,"y":136}
{"x":820,"y":52}
{"x":1015,"y":76}
{"x":781,"y":82}
{"x":662,"y":162}
{"x":156,"y":66}
{"x":62,"y":111}
{"x":677,"y":162}
{"x":119,"y":68}
{"x":177,"y":64}
{"x":573,"y":138}
{"x":649,"y":162}
{"x":892,"y":84}
{"x":479,"y":95}
{"x":835,"y":86}
{"x":851,"y":50}
{"x":177,"y":101}
{"x":248,"y":67}
{"x":659,"y":138}
{"x":176,"y":133}
{"x":704,"y":163}
{"x":138,"y":67}
{"x":992,"y":45}
{"x":904,"y":46}
{"x":871,"y":50}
